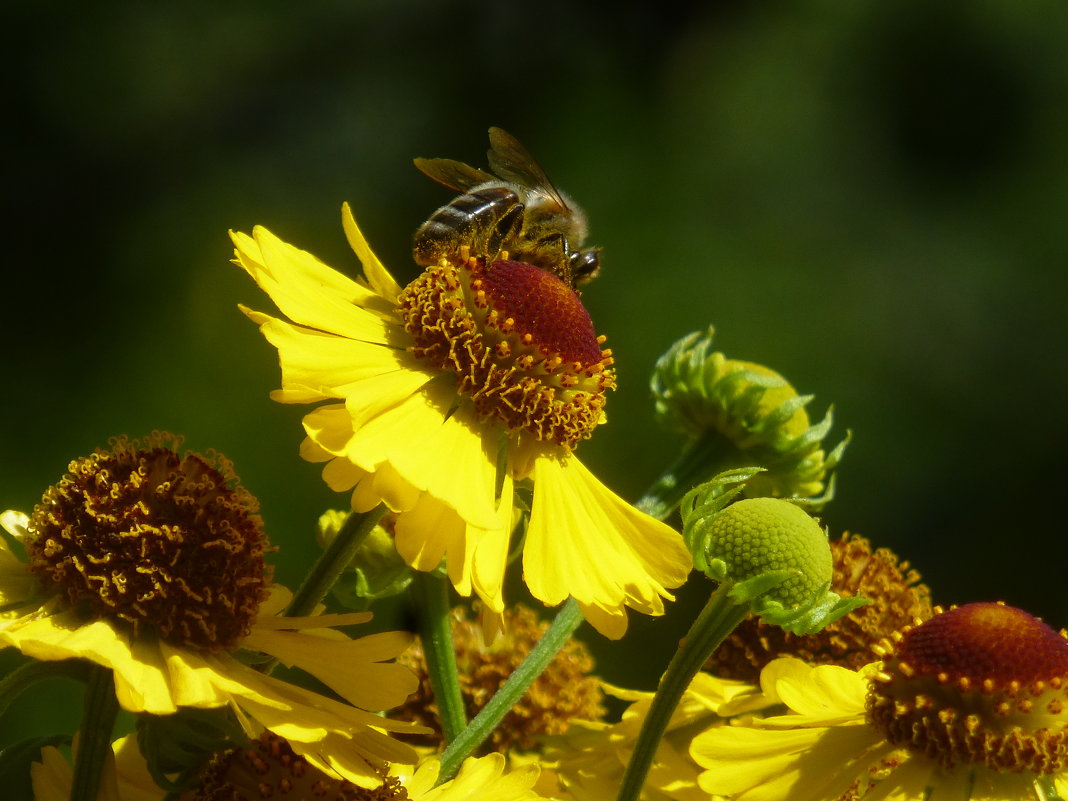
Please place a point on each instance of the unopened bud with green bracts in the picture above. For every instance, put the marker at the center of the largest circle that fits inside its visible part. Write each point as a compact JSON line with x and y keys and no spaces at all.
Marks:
{"x":772,"y":553}
{"x":739,"y":413}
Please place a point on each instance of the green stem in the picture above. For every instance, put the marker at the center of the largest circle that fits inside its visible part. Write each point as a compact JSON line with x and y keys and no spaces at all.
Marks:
{"x":27,"y":675}
{"x":718,"y":619}
{"x":94,"y":741}
{"x":431,"y":596}
{"x":563,"y":626}
{"x":333,"y":561}
{"x":700,"y":460}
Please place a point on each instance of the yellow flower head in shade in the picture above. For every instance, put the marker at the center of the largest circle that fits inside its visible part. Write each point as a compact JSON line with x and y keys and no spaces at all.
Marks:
{"x":149,"y":562}
{"x":897,"y":599}
{"x":441,"y":398}
{"x":591,"y":757}
{"x":269,"y":768}
{"x":971,"y":705}
{"x":564,"y":691}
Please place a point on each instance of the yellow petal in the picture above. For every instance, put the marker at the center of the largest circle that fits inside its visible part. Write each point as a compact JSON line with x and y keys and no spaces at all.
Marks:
{"x":330,"y":429}
{"x":491,"y":553}
{"x":586,"y":542}
{"x":428,"y":532}
{"x":356,"y":669}
{"x":307,"y":291}
{"x":324,"y":362}
{"x":377,"y":275}
{"x":443,"y":454}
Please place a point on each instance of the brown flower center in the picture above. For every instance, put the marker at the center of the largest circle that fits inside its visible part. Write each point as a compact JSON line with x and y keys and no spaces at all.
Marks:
{"x":154,"y":538}
{"x":518,"y":340}
{"x":982,"y":683}
{"x":269,"y":768}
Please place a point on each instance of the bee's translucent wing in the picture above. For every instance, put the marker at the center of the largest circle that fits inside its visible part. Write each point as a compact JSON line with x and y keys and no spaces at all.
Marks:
{"x":451,"y":173}
{"x":510,"y":160}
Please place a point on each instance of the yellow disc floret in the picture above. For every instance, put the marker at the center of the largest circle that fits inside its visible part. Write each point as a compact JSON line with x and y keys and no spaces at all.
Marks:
{"x":519,"y":342}
{"x":758,"y":535}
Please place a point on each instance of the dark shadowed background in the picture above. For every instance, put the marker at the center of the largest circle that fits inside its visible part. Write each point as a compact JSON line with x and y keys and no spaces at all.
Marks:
{"x":868,"y":198}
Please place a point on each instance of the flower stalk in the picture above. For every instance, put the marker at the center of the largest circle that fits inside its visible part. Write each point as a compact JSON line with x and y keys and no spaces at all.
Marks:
{"x":482,"y":725}
{"x":431,"y":594}
{"x":717,"y":620}
{"x":333,"y":561}
{"x":94,"y":744}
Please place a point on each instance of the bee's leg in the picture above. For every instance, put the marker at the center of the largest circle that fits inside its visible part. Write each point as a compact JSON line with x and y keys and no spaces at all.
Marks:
{"x":504,"y":230}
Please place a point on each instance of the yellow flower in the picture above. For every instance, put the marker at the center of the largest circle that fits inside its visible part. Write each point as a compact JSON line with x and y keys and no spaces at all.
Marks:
{"x":969,"y":705}
{"x":591,"y":757}
{"x":150,"y":563}
{"x":268,"y":767}
{"x":446,"y":397}
{"x":125,"y":776}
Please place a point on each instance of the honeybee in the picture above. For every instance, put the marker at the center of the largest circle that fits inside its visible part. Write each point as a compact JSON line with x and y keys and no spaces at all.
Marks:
{"x":516,"y":209}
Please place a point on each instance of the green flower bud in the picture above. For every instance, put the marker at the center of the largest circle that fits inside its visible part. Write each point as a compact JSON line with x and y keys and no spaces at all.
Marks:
{"x":774,"y":554}
{"x":739,"y":413}
{"x":376,"y":571}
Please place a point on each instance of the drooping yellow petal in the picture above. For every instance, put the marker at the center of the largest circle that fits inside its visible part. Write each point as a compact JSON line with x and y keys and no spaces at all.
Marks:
{"x":357,"y":670}
{"x":329,"y":428}
{"x":429,"y":531}
{"x":341,"y":475}
{"x":586,"y":542}
{"x":491,"y":554}
{"x":435,"y":451}
{"x":377,"y":275}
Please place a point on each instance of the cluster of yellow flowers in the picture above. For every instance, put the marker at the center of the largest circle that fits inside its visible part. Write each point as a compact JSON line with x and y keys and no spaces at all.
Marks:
{"x":449,"y":412}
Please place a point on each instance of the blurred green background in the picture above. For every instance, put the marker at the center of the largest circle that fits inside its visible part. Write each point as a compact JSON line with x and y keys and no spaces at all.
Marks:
{"x":868,"y":198}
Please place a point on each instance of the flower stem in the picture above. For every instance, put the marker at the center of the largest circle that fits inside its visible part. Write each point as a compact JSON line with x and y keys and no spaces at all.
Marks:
{"x":560,"y":630}
{"x":718,"y":619}
{"x":700,"y":460}
{"x":431,"y":596}
{"x":94,"y":741}
{"x":27,"y":675}
{"x":333,"y":561}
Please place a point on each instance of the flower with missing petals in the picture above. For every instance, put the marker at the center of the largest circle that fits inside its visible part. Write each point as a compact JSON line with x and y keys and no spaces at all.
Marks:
{"x":447,"y":397}
{"x":149,"y":562}
{"x":971,"y":705}
{"x":591,"y":757}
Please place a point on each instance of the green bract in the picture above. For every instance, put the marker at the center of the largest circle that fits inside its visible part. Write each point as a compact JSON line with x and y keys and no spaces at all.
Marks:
{"x":772,"y":553}
{"x":739,"y":413}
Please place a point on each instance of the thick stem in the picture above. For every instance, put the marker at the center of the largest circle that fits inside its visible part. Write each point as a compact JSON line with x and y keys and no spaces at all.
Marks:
{"x":563,"y":626}
{"x":27,"y":675}
{"x":718,"y":619}
{"x":333,"y":561}
{"x":94,"y":740}
{"x":431,"y":594}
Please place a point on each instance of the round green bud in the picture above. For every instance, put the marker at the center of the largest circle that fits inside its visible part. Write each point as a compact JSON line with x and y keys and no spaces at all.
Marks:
{"x":757,"y":536}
